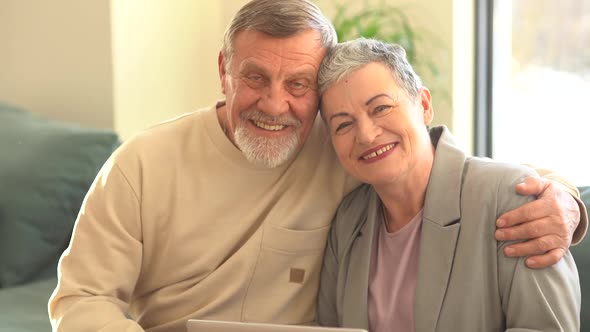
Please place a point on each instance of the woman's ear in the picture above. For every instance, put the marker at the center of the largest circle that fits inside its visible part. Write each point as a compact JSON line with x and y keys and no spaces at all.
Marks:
{"x":426,"y":103}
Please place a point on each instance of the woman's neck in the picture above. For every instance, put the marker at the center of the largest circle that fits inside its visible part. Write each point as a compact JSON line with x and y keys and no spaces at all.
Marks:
{"x":404,"y":198}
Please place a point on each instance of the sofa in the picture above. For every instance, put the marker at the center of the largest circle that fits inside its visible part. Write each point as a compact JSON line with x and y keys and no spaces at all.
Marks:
{"x":581,"y":254}
{"x":46,"y":167}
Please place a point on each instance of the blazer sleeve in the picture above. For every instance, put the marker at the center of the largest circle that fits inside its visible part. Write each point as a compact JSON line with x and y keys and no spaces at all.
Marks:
{"x":535,"y":299}
{"x":540,"y":300}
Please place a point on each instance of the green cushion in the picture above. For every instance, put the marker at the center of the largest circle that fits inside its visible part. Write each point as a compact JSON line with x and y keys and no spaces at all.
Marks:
{"x":24,"y":308}
{"x":46,"y":167}
{"x":581,"y":254}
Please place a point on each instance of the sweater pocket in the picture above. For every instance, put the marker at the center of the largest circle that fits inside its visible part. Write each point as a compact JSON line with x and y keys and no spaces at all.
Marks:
{"x":285,"y":281}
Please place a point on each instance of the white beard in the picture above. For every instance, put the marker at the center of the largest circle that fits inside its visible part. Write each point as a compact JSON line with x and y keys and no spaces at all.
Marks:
{"x":264,"y":151}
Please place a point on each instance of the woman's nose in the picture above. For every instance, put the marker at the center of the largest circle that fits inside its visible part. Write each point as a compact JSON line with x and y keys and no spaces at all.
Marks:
{"x":367,"y":131}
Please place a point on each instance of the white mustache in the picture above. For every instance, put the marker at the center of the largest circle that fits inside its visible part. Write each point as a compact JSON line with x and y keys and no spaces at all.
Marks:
{"x":257,"y":115}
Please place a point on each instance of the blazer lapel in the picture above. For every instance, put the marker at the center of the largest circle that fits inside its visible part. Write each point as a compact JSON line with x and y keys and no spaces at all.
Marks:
{"x":436,"y":259}
{"x":355,"y":301}
{"x":440,"y":229}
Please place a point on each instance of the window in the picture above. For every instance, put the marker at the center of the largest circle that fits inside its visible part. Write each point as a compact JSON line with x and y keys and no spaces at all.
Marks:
{"x":540,"y":85}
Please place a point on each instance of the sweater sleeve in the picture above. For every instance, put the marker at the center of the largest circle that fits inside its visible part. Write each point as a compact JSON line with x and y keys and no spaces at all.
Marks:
{"x":99,"y":270}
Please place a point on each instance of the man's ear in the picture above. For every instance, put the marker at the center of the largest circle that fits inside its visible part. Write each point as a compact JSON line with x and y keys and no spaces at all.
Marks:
{"x":221,"y":68}
{"x":426,"y":103}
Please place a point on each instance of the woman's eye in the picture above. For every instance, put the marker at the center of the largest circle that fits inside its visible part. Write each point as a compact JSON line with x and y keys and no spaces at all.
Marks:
{"x":343,"y":126}
{"x":382,"y":109}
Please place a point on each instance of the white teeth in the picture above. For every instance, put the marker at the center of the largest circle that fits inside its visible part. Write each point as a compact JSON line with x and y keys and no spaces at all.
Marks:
{"x":378,"y":152}
{"x":267,"y":126}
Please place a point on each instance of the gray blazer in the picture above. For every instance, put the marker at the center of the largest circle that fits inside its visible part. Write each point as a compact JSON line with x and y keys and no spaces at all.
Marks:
{"x":465,"y":283}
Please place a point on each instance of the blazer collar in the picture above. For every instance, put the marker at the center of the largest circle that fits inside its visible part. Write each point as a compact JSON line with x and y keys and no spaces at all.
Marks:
{"x":440,"y":229}
{"x":442,"y":201}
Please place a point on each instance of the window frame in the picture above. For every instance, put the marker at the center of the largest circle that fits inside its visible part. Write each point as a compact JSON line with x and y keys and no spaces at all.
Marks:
{"x":483,"y":115}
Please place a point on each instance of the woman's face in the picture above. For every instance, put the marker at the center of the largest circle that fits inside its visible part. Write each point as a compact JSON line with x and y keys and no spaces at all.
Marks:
{"x":378,"y":132}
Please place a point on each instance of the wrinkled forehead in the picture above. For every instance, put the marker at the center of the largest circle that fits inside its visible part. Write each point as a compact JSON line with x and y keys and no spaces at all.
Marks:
{"x":305,"y":45}
{"x":274,"y":57}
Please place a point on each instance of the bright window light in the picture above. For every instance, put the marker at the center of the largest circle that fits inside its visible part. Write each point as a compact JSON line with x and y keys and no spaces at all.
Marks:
{"x":541,"y":89}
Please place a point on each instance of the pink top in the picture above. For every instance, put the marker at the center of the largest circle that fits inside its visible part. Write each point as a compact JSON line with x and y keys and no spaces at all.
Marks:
{"x":393,"y":276}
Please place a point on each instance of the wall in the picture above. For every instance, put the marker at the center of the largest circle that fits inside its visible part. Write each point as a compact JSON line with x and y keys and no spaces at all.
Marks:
{"x":165,"y":56}
{"x":55,"y":59}
{"x":463,"y":71}
{"x":120,"y":64}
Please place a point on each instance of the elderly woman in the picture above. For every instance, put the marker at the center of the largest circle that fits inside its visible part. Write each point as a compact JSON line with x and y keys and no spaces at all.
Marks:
{"x":413,"y":249}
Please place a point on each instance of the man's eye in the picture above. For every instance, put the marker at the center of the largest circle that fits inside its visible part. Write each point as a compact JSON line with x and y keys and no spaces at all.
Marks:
{"x":255,"y":81}
{"x":255,"y":78}
{"x":298,"y":87}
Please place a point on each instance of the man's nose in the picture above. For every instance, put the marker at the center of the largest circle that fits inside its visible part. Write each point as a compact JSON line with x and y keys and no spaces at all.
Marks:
{"x":274,"y":100}
{"x":367,"y":131}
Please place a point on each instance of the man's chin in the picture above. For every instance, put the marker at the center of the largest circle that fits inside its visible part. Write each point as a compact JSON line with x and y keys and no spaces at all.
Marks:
{"x":265,"y":152}
{"x":269,"y":159}
{"x":268,"y":152}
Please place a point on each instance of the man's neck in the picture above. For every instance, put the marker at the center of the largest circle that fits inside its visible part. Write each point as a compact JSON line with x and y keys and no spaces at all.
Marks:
{"x":223,"y":121}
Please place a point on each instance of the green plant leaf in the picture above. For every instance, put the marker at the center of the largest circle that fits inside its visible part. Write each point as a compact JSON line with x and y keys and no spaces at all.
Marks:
{"x":387,"y":23}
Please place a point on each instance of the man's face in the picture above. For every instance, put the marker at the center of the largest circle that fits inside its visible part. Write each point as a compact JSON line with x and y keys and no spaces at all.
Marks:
{"x":271,"y":94}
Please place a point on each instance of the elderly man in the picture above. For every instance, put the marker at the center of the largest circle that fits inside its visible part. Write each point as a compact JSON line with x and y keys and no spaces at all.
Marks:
{"x":223,"y":213}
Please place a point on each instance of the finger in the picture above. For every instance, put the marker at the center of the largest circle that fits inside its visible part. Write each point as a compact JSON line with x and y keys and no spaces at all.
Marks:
{"x":532,"y":185}
{"x":535,"y":247}
{"x":530,"y":211}
{"x":545,"y":260}
{"x":530,"y":230}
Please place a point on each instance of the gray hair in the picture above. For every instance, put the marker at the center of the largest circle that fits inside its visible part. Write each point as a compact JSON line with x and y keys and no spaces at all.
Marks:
{"x":283,"y":18}
{"x":350,"y":56}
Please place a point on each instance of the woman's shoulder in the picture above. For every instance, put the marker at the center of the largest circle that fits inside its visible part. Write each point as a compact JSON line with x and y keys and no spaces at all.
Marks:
{"x":353,"y":211}
{"x":489,"y":171}
{"x":489,"y":181}
{"x":358,"y":198}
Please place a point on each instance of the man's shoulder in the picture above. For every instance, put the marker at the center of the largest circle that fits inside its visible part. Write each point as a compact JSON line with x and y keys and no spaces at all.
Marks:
{"x":163,"y":138}
{"x":318,"y":149}
{"x":319,"y":133}
{"x":176,"y":127}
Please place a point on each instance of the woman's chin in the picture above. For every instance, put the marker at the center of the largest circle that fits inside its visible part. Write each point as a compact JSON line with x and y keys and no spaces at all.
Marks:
{"x":378,"y":179}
